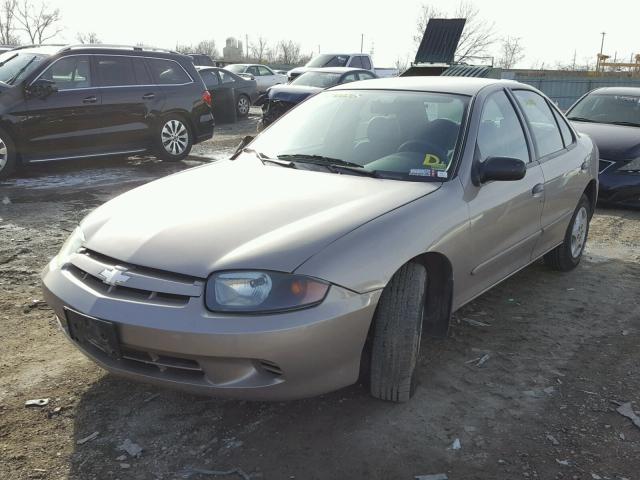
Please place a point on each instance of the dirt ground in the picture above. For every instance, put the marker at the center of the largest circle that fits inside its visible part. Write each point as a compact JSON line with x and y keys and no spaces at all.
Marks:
{"x":563,"y":348}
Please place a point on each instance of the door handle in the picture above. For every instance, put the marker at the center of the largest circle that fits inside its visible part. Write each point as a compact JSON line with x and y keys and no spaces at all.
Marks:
{"x":149,"y":96}
{"x":91,"y":99}
{"x":537,"y":190}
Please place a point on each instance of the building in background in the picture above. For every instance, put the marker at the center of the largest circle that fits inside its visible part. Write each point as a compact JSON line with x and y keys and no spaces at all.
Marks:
{"x":232,"y":50}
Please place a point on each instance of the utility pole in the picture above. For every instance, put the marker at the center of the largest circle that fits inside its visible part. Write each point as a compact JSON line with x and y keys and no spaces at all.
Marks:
{"x":361,"y":41}
{"x":246,"y":41}
{"x":601,"y":50}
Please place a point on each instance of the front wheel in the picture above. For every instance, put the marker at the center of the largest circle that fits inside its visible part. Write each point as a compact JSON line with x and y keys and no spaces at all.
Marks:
{"x":567,"y":256}
{"x":7,"y":155}
{"x":397,"y":328}
{"x":243,"y":106}
{"x":174,"y":139}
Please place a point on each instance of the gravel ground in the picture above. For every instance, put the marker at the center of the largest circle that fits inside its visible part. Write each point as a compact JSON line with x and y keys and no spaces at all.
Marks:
{"x":562,"y":349}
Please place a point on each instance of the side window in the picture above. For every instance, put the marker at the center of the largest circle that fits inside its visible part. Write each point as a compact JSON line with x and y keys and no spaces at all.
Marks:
{"x":210,"y":78}
{"x":567,"y":136}
{"x":254,"y":71}
{"x":349,"y":78}
{"x":70,"y":72}
{"x":140,"y":70}
{"x":264,"y":71}
{"x":366,"y":63}
{"x":226,"y":77}
{"x":115,"y":71}
{"x":356,"y":62}
{"x":543,"y":123}
{"x":500,"y":133}
{"x":167,"y":72}
{"x":365,"y":76}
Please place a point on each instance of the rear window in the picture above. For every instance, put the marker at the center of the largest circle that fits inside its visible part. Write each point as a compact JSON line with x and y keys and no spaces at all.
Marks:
{"x":167,"y":72}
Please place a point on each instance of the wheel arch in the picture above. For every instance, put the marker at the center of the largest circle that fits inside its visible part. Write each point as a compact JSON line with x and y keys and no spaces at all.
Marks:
{"x":439,"y":295}
{"x":183,"y":114}
{"x":591,"y":192}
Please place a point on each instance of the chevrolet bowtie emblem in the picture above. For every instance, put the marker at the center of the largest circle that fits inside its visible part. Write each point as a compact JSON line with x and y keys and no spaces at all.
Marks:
{"x":114,"y":276}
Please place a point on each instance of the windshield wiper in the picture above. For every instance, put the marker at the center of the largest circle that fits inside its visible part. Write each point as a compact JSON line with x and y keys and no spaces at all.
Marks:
{"x":360,"y":170}
{"x":628,"y":124}
{"x":319,"y":160}
{"x":264,"y":158}
{"x":21,"y":71}
{"x":10,"y":58}
{"x":582,"y":119}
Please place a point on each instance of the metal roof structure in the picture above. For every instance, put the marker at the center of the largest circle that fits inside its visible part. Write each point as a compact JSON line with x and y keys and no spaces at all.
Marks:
{"x":440,"y":40}
{"x":479,"y":71}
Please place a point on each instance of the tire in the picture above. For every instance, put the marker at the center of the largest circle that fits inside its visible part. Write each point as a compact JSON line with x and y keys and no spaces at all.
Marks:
{"x":397,"y":328}
{"x":173,"y":139}
{"x":7,"y":155}
{"x":566,"y":256}
{"x":242,"y":106}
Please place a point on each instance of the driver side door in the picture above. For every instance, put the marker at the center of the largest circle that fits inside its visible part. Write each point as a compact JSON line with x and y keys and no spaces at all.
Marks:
{"x":504,"y":216}
{"x":66,"y":123}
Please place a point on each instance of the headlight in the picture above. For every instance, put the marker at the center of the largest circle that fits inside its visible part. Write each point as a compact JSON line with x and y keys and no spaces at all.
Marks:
{"x":260,"y":291}
{"x":632,"y":166}
{"x":69,"y":247}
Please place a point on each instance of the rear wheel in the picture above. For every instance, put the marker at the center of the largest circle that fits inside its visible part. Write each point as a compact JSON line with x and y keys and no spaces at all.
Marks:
{"x":567,"y":256}
{"x":397,"y":328}
{"x":7,"y":155}
{"x":174,"y":139}
{"x":243,"y":105}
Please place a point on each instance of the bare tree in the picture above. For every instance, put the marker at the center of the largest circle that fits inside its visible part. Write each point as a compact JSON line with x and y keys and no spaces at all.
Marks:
{"x":8,"y":34}
{"x":288,"y":52}
{"x":206,"y":47}
{"x":259,"y":49}
{"x":401,"y":64}
{"x":89,"y":37}
{"x":38,"y":21}
{"x":511,"y":52}
{"x":477,"y":36}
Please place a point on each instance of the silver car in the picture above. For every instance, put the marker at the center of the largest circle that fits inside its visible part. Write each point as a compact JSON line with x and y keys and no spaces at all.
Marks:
{"x":352,"y":226}
{"x":263,"y":75}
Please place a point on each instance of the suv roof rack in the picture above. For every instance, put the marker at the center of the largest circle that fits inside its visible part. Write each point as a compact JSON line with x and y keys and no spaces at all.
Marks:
{"x":138,"y":48}
{"x":22,"y":47}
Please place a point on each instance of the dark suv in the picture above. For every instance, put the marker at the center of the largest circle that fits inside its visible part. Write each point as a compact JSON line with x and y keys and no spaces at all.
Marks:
{"x":64,"y":102}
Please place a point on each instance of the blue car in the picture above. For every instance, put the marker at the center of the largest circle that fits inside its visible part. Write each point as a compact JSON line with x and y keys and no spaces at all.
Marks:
{"x":611,"y":117}
{"x":281,"y":98}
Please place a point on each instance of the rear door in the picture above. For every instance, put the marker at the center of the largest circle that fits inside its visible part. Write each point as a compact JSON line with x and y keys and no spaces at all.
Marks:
{"x":564,"y":167}
{"x":67,"y":123}
{"x":129,"y":100}
{"x":504,"y":215}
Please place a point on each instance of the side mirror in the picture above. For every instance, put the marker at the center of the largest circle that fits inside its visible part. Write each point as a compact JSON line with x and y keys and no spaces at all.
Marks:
{"x":501,"y":169}
{"x":41,"y":88}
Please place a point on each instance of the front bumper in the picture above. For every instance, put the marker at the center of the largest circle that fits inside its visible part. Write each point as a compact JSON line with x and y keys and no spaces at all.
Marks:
{"x":619,"y":188}
{"x":268,"y":357}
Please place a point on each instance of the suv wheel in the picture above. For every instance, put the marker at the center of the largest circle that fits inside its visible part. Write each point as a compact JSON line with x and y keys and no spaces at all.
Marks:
{"x":7,"y":155}
{"x":243,"y":106}
{"x":567,"y":256}
{"x":174,"y":140}
{"x":397,"y":328}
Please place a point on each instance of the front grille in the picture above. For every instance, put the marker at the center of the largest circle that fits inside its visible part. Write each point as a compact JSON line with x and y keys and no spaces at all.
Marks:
{"x":604,"y":165}
{"x":165,"y":364}
{"x":142,"y":283}
{"x":271,"y":367}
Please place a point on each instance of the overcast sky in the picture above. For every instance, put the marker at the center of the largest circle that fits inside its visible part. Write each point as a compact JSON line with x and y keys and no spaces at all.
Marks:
{"x":550,"y":29}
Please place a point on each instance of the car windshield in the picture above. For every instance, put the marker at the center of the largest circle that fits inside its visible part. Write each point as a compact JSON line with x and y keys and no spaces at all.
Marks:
{"x":328,"y":61}
{"x":395,"y":134}
{"x":236,"y":68}
{"x":317,"y":79}
{"x":16,"y":65}
{"x":607,"y":108}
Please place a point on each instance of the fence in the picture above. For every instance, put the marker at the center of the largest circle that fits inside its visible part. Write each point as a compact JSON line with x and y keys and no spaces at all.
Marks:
{"x":565,"y":90}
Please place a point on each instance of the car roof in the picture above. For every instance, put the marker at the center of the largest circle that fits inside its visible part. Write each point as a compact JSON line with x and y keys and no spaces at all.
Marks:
{"x":461,"y":85}
{"x":617,"y":91}
{"x":38,"y":49}
{"x":336,"y":70}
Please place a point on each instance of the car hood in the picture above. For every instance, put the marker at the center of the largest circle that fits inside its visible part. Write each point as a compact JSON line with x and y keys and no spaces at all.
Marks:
{"x":615,"y":142}
{"x":239,"y":214}
{"x":292,"y":93}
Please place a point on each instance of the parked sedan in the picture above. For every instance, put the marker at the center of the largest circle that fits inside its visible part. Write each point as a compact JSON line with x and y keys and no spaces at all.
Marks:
{"x":611,"y":117}
{"x":281,"y":98}
{"x":364,"y":216}
{"x":231,"y":95}
{"x":263,"y":75}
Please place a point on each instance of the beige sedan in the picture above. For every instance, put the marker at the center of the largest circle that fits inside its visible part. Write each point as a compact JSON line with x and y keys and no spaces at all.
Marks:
{"x":352,"y":226}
